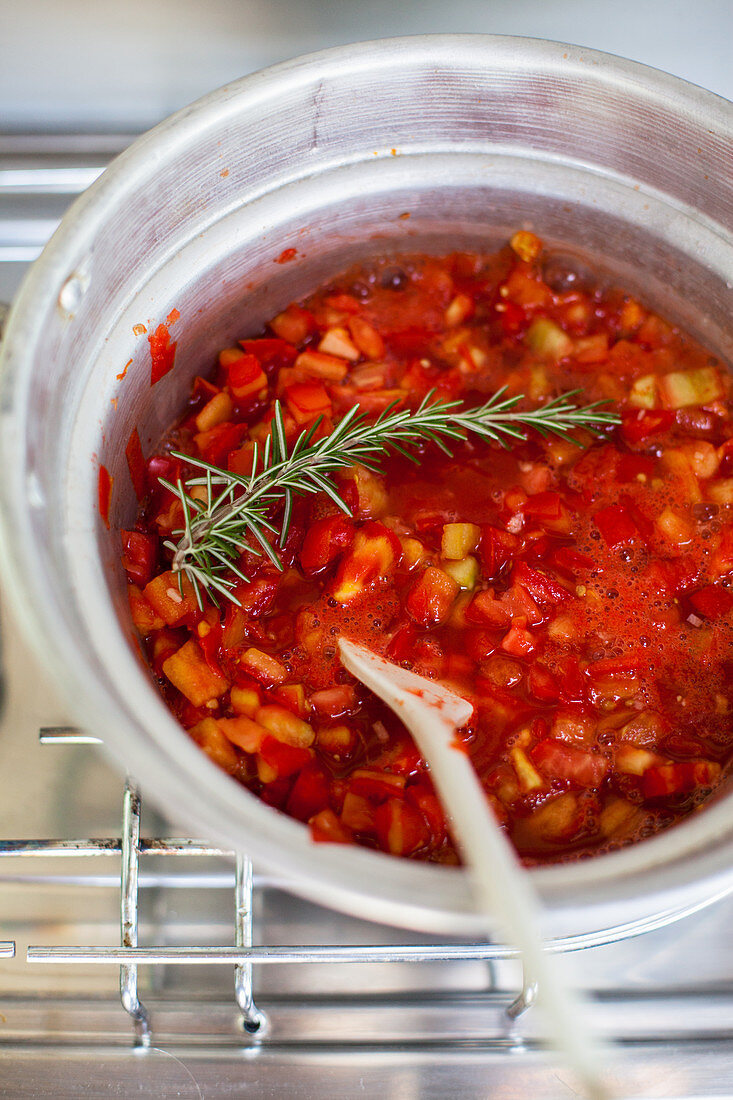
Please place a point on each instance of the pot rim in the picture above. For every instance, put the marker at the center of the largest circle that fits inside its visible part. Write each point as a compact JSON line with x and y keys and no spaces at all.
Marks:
{"x":368,"y":883}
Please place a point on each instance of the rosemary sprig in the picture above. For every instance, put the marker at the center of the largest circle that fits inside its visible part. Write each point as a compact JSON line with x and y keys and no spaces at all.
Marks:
{"x":234,"y":513}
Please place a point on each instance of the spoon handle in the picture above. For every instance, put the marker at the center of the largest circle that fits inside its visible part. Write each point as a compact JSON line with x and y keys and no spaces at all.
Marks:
{"x":432,"y":713}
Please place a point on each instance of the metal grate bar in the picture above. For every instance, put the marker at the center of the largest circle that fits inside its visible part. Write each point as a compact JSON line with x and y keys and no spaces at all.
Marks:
{"x":228,"y":956}
{"x":129,"y":912}
{"x":253,"y":1020}
{"x":111,"y":846}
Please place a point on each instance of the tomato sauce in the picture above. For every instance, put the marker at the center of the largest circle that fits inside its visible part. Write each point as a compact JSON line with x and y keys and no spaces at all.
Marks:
{"x":580,"y":595}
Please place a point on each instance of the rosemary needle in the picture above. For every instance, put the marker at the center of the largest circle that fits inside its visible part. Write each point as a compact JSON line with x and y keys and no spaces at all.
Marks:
{"x":236,"y":512}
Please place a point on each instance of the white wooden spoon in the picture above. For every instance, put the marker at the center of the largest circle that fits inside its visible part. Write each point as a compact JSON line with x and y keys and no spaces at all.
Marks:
{"x":432,"y":713}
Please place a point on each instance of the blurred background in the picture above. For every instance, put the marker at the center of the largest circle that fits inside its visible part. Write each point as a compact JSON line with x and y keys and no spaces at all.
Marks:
{"x":113,"y":65}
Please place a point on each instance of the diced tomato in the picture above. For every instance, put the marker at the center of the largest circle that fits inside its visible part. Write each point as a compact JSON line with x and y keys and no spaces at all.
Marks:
{"x":496,"y":548}
{"x":713,"y":602}
{"x":310,"y":792}
{"x":216,"y":443}
{"x":162,"y":466}
{"x":542,"y":684}
{"x":372,"y":559}
{"x":326,"y":828}
{"x":140,"y":554}
{"x":246,"y":377}
{"x":663,"y":780}
{"x":325,"y":541}
{"x":402,"y":642}
{"x":273,"y":354}
{"x":285,"y":759}
{"x":633,"y":467}
{"x":307,"y":400}
{"x":431,"y":809}
{"x":543,"y":506}
{"x":639,"y":424}
{"x":376,"y":785}
{"x":539,"y":585}
{"x":401,"y":828}
{"x":559,"y":760}
{"x":486,"y":608}
{"x":512,"y":317}
{"x":519,"y":641}
{"x":479,"y":644}
{"x":616,"y":525}
{"x":172,"y":602}
{"x":521,"y":605}
{"x":431,"y":597}
{"x":569,"y":561}
{"x":335,"y":702}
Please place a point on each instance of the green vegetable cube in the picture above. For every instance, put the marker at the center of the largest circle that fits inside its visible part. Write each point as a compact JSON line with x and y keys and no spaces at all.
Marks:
{"x":464,"y":573}
{"x":459,"y":539}
{"x":548,"y":340}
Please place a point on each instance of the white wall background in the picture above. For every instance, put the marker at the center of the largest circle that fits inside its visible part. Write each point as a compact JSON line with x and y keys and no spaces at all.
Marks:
{"x":128,"y":63}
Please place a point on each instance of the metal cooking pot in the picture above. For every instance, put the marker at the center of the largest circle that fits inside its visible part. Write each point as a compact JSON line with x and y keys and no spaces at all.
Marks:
{"x":470,"y":136}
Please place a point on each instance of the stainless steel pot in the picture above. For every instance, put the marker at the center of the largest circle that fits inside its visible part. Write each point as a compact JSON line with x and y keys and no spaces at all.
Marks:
{"x":471,"y":137}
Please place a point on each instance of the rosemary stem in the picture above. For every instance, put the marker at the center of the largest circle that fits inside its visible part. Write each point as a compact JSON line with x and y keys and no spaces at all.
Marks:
{"x":235,"y":515}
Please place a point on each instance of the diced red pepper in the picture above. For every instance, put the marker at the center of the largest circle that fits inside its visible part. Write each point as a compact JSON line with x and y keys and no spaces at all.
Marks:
{"x":402,"y":642}
{"x":162,"y":353}
{"x":140,"y":554}
{"x":104,"y":493}
{"x":486,"y":608}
